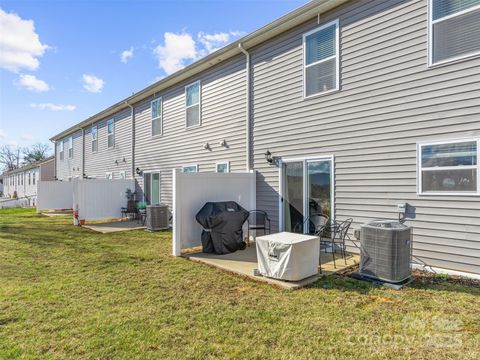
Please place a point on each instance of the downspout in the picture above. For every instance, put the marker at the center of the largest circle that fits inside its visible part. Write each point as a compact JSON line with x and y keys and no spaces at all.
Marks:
{"x":133,"y":138}
{"x":83,"y":154}
{"x":247,"y":129}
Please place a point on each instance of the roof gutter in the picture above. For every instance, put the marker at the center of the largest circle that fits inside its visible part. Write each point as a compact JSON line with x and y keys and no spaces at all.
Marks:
{"x":247,"y":106}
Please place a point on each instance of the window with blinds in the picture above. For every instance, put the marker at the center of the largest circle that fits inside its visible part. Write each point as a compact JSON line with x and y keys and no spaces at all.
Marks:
{"x":321,"y":60}
{"x":156,"y":116}
{"x":193,"y":105}
{"x":110,"y":133}
{"x":454,"y":29}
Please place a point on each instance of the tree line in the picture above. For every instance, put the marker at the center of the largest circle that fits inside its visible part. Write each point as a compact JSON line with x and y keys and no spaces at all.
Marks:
{"x":13,"y":157}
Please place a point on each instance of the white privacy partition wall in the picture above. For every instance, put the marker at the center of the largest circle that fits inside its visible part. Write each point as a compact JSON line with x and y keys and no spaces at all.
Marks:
{"x":192,"y":190}
{"x":98,"y":199}
{"x":54,"y":195}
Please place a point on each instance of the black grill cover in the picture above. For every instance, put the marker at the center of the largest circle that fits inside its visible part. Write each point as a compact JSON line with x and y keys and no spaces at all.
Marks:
{"x":224,"y":220}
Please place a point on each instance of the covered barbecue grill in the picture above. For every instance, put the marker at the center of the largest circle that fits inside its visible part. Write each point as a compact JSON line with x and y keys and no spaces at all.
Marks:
{"x":222,"y":223}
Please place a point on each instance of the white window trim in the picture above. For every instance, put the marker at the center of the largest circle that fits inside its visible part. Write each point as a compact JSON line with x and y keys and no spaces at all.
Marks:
{"x":70,"y":142}
{"x":158,"y":117}
{"x":199,"y":104}
{"x":190,"y":165}
{"x":431,"y":22}
{"x":62,"y":150}
{"x":113,"y":133}
{"x":222,"y":163}
{"x":109,"y":174}
{"x":337,"y":55}
{"x":96,"y":137}
{"x":445,"y":193}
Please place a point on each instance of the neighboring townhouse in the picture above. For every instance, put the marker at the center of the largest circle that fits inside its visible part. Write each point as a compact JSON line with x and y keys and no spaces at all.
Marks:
{"x":348,"y":108}
{"x":23,"y":182}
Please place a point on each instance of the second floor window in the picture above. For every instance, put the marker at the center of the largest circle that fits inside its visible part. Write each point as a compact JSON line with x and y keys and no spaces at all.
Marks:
{"x":34,"y":178}
{"x":156,"y":107}
{"x":110,"y":133}
{"x":193,"y":105}
{"x":454,"y":30}
{"x":61,"y":145}
{"x":70,"y":147}
{"x":94,"y":138}
{"x":321,"y":60}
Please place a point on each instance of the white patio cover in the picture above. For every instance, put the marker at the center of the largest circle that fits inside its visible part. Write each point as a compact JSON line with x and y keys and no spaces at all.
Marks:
{"x":288,"y":256}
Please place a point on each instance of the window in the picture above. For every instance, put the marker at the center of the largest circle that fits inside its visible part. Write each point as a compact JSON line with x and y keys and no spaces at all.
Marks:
{"x":193,"y":105}
{"x":110,"y":133}
{"x":454,"y":30}
{"x":34,"y":178}
{"x":109,"y":175}
{"x":449,"y":168}
{"x":152,"y":188}
{"x":156,"y":108}
{"x":94,"y":138}
{"x":29,"y":178}
{"x":70,"y":147}
{"x":190,"y":168}
{"x":321,"y":60}
{"x":61,"y":149}
{"x":222,"y":167}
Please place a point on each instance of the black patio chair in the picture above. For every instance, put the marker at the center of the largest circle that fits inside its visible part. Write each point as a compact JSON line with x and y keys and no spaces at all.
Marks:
{"x":339,"y":233}
{"x":130,"y":210}
{"x":257,"y":220}
{"x":317,"y":224}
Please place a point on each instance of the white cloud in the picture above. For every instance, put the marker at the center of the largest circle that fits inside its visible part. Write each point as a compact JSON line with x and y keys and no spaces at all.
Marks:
{"x":3,"y":134}
{"x":30,"y":82}
{"x":93,"y":84}
{"x":26,"y":137}
{"x":20,"y":45}
{"x":178,"y":50}
{"x":126,"y":55}
{"x":53,"y":107}
{"x":212,"y":42}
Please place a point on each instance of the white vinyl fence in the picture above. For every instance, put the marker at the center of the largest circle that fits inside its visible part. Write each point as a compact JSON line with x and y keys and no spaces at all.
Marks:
{"x":9,"y":203}
{"x":98,"y":199}
{"x":54,"y":195}
{"x":192,"y":190}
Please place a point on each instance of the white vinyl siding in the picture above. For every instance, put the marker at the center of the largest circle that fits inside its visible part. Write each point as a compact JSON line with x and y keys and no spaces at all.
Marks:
{"x":222,"y":167}
{"x":449,"y":168}
{"x":94,"y":138}
{"x":157,"y":116}
{"x":193,"y":106}
{"x":190,"y":168}
{"x":454,"y":30}
{"x":321,"y":60}
{"x":110,"y":133}
{"x":70,"y":147}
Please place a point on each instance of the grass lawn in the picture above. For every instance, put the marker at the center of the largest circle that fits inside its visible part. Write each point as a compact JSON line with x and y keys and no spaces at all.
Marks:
{"x":67,"y":292}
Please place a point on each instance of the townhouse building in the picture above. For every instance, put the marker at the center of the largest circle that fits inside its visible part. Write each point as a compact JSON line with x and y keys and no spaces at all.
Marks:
{"x":23,"y":182}
{"x":355,"y":109}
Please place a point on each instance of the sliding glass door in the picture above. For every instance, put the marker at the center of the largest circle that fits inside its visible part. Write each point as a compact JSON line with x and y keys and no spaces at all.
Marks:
{"x":307,"y":190}
{"x":152,"y":188}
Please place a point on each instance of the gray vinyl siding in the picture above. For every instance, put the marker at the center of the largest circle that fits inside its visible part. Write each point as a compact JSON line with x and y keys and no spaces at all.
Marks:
{"x":223,"y":110}
{"x":389,"y":100}
{"x":70,"y":167}
{"x":104,"y":159}
{"x":47,"y":170}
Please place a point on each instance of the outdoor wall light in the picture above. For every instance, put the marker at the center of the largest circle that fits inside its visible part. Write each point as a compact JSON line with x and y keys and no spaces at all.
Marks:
{"x":223,"y":143}
{"x":116,"y":162}
{"x":124,"y":160}
{"x":206,"y":146}
{"x":138,"y":171}
{"x":268,"y":157}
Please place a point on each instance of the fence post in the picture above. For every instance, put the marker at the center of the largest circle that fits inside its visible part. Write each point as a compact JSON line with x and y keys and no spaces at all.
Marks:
{"x":176,"y":235}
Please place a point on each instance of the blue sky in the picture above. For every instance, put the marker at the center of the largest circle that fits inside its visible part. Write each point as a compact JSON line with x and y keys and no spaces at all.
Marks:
{"x":62,"y":61}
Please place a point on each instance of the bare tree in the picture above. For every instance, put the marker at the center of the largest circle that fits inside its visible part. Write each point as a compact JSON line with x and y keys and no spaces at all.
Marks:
{"x":36,"y":152}
{"x":9,"y":157}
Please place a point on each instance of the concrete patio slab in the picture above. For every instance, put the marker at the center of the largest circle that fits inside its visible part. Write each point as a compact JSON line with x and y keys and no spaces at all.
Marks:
{"x":244,"y":262}
{"x":115,"y":226}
